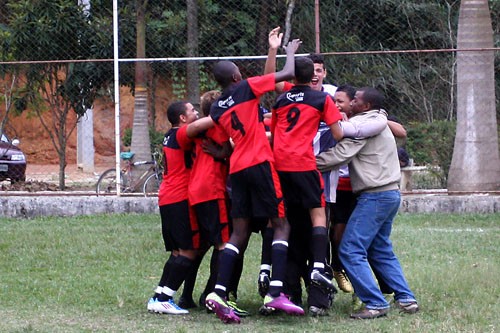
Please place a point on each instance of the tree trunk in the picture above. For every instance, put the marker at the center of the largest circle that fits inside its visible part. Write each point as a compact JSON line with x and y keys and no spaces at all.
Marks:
{"x":193,"y":76}
{"x":475,"y":165}
{"x":140,"y":144}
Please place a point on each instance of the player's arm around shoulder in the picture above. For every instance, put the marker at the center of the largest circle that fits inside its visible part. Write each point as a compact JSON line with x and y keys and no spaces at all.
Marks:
{"x":198,"y":126}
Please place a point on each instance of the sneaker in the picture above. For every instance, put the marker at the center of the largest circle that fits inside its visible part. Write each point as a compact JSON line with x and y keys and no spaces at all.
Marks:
{"x":317,"y":311}
{"x":169,"y":307}
{"x":357,"y":304}
{"x":321,"y":280}
{"x":343,"y":282}
{"x":266,"y":311}
{"x":239,"y":311}
{"x":369,"y":313}
{"x":284,"y":304}
{"x":151,"y":304}
{"x":186,"y":303}
{"x":407,"y":307}
{"x":220,"y":307}
{"x":263,"y":284}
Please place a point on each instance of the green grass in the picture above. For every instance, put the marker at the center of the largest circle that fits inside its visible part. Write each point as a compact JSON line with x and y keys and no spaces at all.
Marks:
{"x":95,"y":274}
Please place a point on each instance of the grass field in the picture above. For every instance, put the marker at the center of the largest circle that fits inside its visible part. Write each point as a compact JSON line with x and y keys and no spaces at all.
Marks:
{"x":95,"y":274}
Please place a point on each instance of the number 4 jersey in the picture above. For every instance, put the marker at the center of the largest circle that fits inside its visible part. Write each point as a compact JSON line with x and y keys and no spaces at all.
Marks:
{"x":236,"y":112}
{"x":295,"y":121}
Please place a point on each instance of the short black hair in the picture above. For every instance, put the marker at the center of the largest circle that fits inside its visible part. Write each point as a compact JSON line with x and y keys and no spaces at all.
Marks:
{"x":348,"y":89}
{"x":373,"y":96}
{"x":223,"y":72}
{"x":317,"y":58}
{"x":174,"y":112}
{"x":304,"y":70}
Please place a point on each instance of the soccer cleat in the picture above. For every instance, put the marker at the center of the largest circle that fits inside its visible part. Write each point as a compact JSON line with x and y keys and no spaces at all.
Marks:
{"x":151,"y":304}
{"x":186,"y":303}
{"x":317,"y":311}
{"x":263,"y":283}
{"x":284,"y":304}
{"x":407,"y":307}
{"x":266,"y":311}
{"x":369,"y":313}
{"x":321,"y":280}
{"x":239,"y":311}
{"x":169,"y":307}
{"x":220,"y":307}
{"x":343,"y":282}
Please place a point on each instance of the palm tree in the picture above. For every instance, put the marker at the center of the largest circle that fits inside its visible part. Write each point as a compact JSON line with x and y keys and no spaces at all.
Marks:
{"x":475,"y":165}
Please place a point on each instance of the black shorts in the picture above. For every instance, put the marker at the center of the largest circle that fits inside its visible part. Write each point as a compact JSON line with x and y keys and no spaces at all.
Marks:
{"x":344,"y":205}
{"x":304,"y":188}
{"x":179,"y":227}
{"x":213,"y":221}
{"x":256,"y":192}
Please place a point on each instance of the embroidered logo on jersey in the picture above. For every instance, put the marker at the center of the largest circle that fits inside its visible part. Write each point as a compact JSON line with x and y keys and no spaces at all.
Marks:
{"x":227,"y":103}
{"x":295,"y":97}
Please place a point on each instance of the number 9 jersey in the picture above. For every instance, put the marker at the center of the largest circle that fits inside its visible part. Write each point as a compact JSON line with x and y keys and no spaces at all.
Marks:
{"x":295,"y":122}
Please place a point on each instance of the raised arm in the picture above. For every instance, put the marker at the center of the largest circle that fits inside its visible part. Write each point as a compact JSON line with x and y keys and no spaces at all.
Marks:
{"x":288,"y":71}
{"x":275,"y":38}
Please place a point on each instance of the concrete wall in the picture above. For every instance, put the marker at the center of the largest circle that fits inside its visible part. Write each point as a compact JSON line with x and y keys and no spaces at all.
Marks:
{"x":35,"y":206}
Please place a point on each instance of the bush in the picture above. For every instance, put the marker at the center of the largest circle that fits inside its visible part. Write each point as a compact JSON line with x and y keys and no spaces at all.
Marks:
{"x":155,"y":138}
{"x":432,"y":144}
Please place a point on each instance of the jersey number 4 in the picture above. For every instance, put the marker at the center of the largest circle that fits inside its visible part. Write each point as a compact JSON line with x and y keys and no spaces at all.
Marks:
{"x":236,"y":124}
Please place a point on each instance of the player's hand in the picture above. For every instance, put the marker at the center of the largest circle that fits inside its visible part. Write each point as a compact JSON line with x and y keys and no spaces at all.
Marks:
{"x":275,"y":38}
{"x":293,"y":46}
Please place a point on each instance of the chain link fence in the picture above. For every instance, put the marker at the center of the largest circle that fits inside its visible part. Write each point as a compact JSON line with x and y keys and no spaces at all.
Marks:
{"x":57,"y":68}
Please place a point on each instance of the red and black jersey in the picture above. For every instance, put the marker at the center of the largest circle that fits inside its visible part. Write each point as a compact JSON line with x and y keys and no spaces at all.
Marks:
{"x":208,"y":175}
{"x":295,"y":121}
{"x":178,"y":161}
{"x":237,"y":113}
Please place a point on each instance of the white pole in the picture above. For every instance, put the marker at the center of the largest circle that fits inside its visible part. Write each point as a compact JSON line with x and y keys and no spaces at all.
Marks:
{"x":117,"y":95}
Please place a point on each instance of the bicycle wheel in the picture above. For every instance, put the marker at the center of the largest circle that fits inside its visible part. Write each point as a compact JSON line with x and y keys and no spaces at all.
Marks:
{"x":107,"y":183}
{"x":151,"y":185}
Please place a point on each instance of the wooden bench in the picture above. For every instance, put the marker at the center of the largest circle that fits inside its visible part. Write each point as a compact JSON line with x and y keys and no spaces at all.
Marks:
{"x":406,"y":174}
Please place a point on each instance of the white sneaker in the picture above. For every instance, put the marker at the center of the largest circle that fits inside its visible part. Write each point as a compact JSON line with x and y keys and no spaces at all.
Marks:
{"x":168,"y":307}
{"x":151,"y":304}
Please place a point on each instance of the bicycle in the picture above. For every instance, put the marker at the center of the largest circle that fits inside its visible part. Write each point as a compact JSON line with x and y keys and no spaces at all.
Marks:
{"x":149,"y":180}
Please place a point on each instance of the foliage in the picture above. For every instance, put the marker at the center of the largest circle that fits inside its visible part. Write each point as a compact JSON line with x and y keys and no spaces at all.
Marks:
{"x":432,"y":144}
{"x":155,"y":137}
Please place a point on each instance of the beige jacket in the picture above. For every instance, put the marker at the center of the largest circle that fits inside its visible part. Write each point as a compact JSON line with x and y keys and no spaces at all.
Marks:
{"x":373,"y":162}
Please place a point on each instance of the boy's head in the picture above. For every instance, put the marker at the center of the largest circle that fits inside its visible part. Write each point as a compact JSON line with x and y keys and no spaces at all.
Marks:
{"x":319,"y":71}
{"x":304,"y":70}
{"x":226,"y":72}
{"x":181,"y":112}
{"x":206,"y":101}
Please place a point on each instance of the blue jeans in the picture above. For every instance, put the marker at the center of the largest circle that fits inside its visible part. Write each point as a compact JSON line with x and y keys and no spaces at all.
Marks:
{"x":366,"y":237}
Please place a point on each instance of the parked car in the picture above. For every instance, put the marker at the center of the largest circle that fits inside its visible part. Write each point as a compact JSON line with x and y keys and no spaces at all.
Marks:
{"x":12,"y":161}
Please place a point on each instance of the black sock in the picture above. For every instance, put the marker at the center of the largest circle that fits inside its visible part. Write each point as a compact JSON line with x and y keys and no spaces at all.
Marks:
{"x":227,"y":260}
{"x":189,"y":282}
{"x":181,"y":267}
{"x":236,"y":276}
{"x":266,"y":254}
{"x":279,"y":253}
{"x":319,"y":246}
{"x":214,"y":268}
{"x":167,"y":268}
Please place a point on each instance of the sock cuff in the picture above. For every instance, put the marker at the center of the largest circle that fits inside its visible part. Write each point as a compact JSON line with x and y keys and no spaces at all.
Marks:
{"x":231,"y":247}
{"x":319,"y":231}
{"x":280,"y":242}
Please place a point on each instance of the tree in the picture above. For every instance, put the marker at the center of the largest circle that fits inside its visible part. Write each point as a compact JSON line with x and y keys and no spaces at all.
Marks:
{"x":140,"y":130}
{"x":47,"y":31}
{"x":475,"y":164}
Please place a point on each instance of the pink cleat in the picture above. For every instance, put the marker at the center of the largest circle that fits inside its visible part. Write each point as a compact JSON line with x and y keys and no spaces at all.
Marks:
{"x":284,"y":304}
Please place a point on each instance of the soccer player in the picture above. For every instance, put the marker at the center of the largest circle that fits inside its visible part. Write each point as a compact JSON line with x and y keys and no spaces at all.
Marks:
{"x":256,"y":191}
{"x":295,"y":120}
{"x":179,"y":227}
